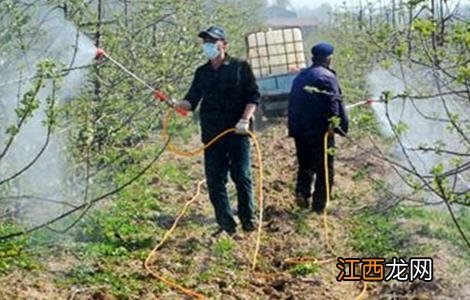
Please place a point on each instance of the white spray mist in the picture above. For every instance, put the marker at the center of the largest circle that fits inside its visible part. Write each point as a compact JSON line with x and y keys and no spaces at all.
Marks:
{"x":415,"y":114}
{"x":49,"y":178}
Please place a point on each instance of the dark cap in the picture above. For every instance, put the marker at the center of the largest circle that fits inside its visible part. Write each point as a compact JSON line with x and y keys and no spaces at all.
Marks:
{"x":322,"y":50}
{"x":214,"y":32}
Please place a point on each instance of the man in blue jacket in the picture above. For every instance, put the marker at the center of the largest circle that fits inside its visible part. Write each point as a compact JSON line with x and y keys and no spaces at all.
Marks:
{"x":315,"y":99}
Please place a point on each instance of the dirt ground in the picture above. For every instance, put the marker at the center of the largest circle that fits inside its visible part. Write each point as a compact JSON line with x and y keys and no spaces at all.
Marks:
{"x":287,"y":232}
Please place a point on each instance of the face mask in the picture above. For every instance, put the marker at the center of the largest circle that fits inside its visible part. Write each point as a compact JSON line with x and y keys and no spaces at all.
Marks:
{"x":210,"y":50}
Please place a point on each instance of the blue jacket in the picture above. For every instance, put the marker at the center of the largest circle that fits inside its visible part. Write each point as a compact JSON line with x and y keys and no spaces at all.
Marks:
{"x":309,"y":112}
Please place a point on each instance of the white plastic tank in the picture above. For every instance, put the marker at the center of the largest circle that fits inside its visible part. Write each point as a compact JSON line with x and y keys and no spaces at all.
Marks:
{"x":275,"y":52}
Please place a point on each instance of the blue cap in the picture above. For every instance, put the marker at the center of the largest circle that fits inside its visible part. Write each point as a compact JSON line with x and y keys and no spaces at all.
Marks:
{"x":322,"y":50}
{"x":214,"y":32}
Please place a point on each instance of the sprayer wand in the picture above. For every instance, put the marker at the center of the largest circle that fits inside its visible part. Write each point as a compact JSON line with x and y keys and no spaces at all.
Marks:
{"x":368,"y":102}
{"x":158,"y":94}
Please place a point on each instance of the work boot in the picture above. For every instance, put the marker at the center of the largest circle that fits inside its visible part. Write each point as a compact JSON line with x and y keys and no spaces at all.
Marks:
{"x":318,"y":210}
{"x":217,"y":232}
{"x":318,"y":207}
{"x":221,"y":233}
{"x":248,"y":227}
{"x":302,"y":201}
{"x":234,"y":236}
{"x":231,"y":231}
{"x":228,"y":231}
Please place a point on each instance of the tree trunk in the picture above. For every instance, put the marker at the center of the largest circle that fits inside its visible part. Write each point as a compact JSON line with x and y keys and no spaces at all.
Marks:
{"x":410,"y":24}
{"x":66,"y":9}
{"x":97,"y":84}
{"x":360,"y":17}
{"x":442,"y":24}
{"x":433,"y":18}
{"x":126,"y":13}
{"x":154,"y":35}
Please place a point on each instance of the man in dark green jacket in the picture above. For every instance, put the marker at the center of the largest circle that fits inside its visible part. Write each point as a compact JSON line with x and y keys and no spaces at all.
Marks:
{"x":227,"y":90}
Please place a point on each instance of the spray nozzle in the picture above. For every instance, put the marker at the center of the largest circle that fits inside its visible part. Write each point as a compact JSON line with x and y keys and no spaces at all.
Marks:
{"x":99,"y":53}
{"x":159,"y":95}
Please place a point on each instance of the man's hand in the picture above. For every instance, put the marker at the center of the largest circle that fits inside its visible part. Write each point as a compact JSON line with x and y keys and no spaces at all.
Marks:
{"x":242,"y":126}
{"x":183,"y":104}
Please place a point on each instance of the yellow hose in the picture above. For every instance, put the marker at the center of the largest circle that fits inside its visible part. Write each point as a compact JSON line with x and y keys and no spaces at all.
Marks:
{"x":313,"y":260}
{"x":191,"y":153}
{"x":170,"y":283}
{"x":197,"y":151}
{"x":325,"y":223}
{"x":259,"y":158}
{"x":327,"y":188}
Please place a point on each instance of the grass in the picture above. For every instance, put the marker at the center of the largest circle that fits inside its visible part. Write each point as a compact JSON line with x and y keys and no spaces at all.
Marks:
{"x":110,"y":240}
{"x":381,"y":235}
{"x":115,"y":232}
{"x":300,"y":217}
{"x":123,"y":285}
{"x":377,"y":235}
{"x":437,"y":223}
{"x":12,"y":252}
{"x":173,"y":173}
{"x":305,"y":269}
{"x":224,"y":247}
{"x":124,"y":231}
{"x":204,"y":276}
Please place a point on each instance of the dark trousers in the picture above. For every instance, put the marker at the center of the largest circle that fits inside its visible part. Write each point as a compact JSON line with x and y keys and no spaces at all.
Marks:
{"x":310,"y":157}
{"x":231,"y":153}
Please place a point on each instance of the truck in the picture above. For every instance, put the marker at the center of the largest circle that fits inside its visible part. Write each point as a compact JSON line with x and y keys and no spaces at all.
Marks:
{"x":275,"y":57}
